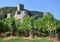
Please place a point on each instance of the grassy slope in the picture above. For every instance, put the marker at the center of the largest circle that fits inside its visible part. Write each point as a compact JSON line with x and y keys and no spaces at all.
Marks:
{"x":20,"y":39}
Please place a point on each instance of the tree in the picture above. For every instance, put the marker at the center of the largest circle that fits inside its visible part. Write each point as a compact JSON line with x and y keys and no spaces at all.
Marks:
{"x":58,"y":28}
{"x":1,"y":26}
{"x":11,"y":25}
{"x":27,"y":24}
{"x":8,"y":22}
{"x":50,"y":22}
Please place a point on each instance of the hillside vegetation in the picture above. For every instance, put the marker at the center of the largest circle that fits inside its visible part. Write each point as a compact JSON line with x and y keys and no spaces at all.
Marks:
{"x":4,"y":10}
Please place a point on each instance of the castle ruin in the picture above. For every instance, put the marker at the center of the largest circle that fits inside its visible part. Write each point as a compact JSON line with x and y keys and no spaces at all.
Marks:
{"x":21,"y":13}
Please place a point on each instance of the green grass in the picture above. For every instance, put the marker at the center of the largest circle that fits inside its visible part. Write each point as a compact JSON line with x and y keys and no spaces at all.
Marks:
{"x":20,"y":39}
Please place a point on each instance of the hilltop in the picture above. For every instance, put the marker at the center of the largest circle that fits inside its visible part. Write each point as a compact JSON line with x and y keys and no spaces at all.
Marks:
{"x":3,"y":12}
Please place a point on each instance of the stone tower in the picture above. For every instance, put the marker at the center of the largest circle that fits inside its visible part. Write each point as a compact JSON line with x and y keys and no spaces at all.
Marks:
{"x":20,"y":7}
{"x":20,"y":13}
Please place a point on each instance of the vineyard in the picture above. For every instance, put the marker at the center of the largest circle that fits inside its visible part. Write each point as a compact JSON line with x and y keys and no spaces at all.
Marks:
{"x":30,"y":27}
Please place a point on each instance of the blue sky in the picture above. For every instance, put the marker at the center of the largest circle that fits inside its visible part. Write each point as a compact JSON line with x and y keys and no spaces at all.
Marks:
{"x":52,"y":6}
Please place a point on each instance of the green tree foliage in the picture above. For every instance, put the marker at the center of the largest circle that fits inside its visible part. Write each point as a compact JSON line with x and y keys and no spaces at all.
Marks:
{"x":46,"y":23}
{"x":10,"y":22}
{"x":50,"y":23}
{"x":4,"y":10}
{"x":3,"y":26}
